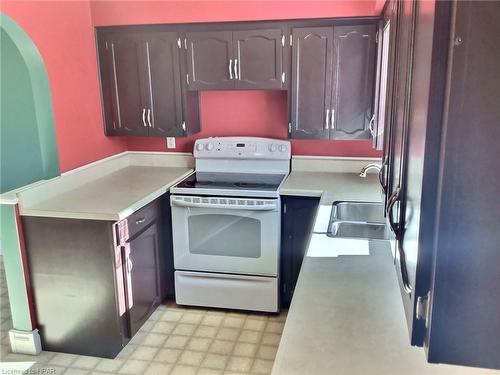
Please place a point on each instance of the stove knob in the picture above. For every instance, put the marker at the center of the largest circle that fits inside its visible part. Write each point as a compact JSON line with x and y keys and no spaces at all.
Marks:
{"x":199,"y":146}
{"x":272,"y":147}
{"x":209,"y":146}
{"x":283,"y":148}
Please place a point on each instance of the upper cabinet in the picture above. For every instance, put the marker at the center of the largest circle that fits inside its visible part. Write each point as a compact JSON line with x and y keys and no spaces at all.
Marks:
{"x":353,"y":81}
{"x":151,"y":75}
{"x":312,"y":83}
{"x":141,"y":85}
{"x":258,"y":58}
{"x":246,"y":59}
{"x":124,"y":73}
{"x":210,"y":60}
{"x":164,"y":89}
{"x":332,"y":81}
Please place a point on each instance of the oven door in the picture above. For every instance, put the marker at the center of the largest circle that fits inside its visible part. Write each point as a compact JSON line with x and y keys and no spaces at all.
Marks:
{"x":225,"y":234}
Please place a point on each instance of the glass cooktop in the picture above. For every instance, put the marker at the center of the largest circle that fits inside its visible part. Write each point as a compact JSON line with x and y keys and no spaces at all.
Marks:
{"x":232,"y":181}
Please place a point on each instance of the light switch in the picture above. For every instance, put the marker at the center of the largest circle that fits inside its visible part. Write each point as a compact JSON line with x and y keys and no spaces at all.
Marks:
{"x":170,"y":142}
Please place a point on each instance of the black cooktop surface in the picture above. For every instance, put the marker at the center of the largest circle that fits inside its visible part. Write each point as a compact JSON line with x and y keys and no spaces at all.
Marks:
{"x":232,"y":181}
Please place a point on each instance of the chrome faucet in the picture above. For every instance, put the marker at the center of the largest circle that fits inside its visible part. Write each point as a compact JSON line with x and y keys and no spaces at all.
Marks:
{"x":366,"y":168}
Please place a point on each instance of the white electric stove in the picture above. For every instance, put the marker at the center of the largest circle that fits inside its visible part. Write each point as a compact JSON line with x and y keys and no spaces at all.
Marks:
{"x":226,"y":221}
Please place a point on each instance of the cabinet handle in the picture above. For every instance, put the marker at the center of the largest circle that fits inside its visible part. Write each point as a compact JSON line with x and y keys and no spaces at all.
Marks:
{"x":390,"y":205}
{"x":149,"y":118}
{"x":370,"y":126}
{"x":236,"y":75}
{"x":230,"y":68}
{"x":141,"y":220}
{"x":326,"y":119}
{"x":144,"y":117}
{"x":130,"y":265}
{"x":332,"y":120}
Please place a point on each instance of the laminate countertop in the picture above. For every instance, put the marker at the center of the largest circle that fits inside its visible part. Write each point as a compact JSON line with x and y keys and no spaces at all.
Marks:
{"x":331,"y":186}
{"x":113,"y":196}
{"x":347,"y":316}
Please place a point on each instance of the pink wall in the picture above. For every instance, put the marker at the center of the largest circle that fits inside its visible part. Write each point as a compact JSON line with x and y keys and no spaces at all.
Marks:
{"x":115,"y":12}
{"x":64,"y":35}
{"x":63,"y":32}
{"x":256,"y":113}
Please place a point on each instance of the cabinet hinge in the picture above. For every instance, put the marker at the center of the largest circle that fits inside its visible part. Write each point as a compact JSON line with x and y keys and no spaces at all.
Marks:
{"x":179,"y":43}
{"x":185,"y":44}
{"x":291,"y":40}
{"x":283,"y":77}
{"x":422,"y":307}
{"x":187,"y":78}
{"x":283,"y":40}
{"x":184,"y":125}
{"x":290,"y":127}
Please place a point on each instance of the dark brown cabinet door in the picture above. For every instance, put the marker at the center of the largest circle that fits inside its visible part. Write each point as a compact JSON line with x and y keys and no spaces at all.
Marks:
{"x":164,"y":113}
{"x":258,"y":59}
{"x":297,"y":219}
{"x":311,"y":82}
{"x":210,"y":60}
{"x":144,"y":268}
{"x":126,"y":69}
{"x":354,"y":78}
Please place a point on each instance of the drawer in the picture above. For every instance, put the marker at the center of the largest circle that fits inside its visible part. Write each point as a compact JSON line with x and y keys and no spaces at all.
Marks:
{"x":241,"y":292}
{"x":143,"y":217}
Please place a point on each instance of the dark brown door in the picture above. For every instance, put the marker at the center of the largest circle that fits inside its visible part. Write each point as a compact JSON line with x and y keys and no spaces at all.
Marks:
{"x":144,"y":269}
{"x":354,"y":79}
{"x":258,"y":59}
{"x":210,"y":60}
{"x":311,"y":82}
{"x":164,"y":112}
{"x":128,"y":90}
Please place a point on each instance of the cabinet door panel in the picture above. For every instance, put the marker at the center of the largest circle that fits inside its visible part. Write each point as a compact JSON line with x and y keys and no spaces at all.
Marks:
{"x":311,"y":81}
{"x":354,"y":78}
{"x":126,"y":67}
{"x":144,"y":276}
{"x":208,"y":60}
{"x":297,"y":224}
{"x":165,"y":87}
{"x":259,"y":58}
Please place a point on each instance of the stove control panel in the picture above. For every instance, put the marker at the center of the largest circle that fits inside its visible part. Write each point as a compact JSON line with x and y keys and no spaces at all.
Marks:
{"x":242,"y":148}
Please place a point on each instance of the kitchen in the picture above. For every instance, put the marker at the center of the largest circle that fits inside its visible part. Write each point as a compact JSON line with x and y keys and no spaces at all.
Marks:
{"x":185,"y":187}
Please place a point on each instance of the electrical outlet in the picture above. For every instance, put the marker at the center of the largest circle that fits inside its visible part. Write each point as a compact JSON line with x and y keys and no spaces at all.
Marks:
{"x":170,"y":142}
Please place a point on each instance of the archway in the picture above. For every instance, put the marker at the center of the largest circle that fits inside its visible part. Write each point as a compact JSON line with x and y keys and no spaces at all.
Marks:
{"x":28,"y":152}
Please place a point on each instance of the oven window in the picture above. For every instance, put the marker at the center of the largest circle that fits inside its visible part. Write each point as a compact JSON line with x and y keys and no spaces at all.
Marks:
{"x":225,"y":235}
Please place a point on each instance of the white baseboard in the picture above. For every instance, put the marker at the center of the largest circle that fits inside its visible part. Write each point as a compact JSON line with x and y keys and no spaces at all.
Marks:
{"x":25,"y":342}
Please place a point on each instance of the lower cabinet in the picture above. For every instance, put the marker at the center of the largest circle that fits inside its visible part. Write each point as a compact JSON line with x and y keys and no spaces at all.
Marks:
{"x":144,"y":284}
{"x":96,"y":282}
{"x":298,"y":215}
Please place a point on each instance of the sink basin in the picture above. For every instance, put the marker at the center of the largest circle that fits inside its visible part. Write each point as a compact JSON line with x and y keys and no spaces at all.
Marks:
{"x":366,"y":212}
{"x":357,"y":220}
{"x":349,"y":229}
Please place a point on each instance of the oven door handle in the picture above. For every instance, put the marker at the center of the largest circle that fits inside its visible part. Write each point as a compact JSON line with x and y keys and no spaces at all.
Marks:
{"x":265,"y":207}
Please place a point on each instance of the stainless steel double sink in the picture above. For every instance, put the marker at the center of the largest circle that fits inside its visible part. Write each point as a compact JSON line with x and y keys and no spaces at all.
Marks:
{"x":364,"y":220}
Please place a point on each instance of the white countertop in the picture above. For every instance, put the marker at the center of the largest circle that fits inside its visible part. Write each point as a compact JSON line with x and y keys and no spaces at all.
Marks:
{"x":333,"y":187}
{"x":113,"y":197}
{"x":108,"y":190}
{"x":347,"y":315}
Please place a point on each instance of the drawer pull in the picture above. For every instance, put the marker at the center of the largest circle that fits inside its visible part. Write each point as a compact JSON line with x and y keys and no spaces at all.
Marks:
{"x":140,"y":221}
